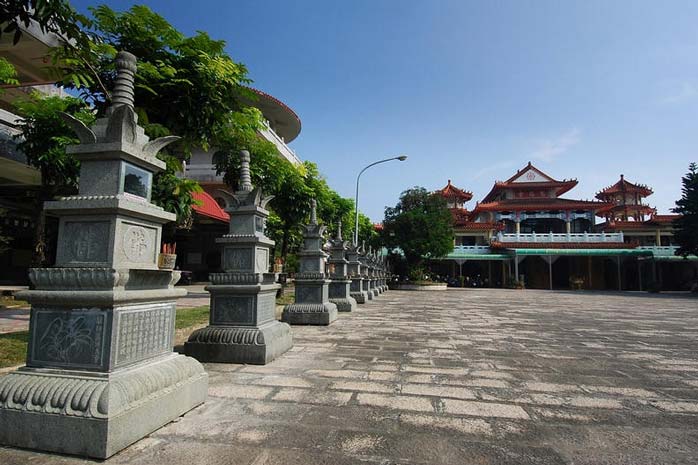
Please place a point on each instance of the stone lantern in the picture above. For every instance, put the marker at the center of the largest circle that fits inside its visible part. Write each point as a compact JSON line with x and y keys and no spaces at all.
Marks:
{"x":357,"y":289}
{"x":312,"y":305}
{"x":339,"y":290}
{"x":243,"y":326}
{"x":100,"y":371}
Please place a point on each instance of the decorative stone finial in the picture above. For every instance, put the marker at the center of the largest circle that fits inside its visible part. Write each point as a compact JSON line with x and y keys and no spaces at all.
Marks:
{"x":313,"y":211}
{"x":245,"y":178}
{"x":339,"y":230}
{"x":123,"y":85}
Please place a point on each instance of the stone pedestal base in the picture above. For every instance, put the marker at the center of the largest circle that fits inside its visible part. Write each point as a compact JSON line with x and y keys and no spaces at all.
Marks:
{"x":97,"y":414}
{"x":344,"y":304}
{"x":310,"y":314}
{"x":357,"y":291}
{"x":240,"y":344}
{"x":360,"y":297}
{"x":340,"y":295}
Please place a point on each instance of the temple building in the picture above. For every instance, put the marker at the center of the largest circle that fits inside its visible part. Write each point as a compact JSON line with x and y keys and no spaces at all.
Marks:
{"x":524,"y":232}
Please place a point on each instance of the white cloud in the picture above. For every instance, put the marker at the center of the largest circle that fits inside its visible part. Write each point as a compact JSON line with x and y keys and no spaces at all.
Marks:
{"x":550,"y":149}
{"x":686,"y":91}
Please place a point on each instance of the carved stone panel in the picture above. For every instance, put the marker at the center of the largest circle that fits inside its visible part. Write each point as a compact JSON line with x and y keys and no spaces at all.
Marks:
{"x":262,"y":265}
{"x":84,"y":242}
{"x":143,"y":331}
{"x":312,"y":265}
{"x":308,"y":294}
{"x":235,"y":259}
{"x":266,"y":307}
{"x":138,"y":243}
{"x":238,"y":310}
{"x":74,"y":338}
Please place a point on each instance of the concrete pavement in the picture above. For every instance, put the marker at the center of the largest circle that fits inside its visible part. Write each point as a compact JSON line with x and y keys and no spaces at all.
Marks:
{"x":476,"y":376}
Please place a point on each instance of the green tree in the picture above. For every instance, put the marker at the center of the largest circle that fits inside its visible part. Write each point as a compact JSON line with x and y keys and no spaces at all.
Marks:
{"x":420,"y":225}
{"x":43,"y":141}
{"x":8,"y":74}
{"x":686,"y":234}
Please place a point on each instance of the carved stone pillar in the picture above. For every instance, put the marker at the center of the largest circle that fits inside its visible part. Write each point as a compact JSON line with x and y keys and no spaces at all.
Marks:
{"x":100,"y":370}
{"x":339,"y":290}
{"x":357,"y":290}
{"x":312,"y":305}
{"x":243,"y":326}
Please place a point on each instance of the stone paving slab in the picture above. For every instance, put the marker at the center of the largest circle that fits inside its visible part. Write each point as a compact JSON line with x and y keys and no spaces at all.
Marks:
{"x":464,"y":376}
{"x":13,"y":320}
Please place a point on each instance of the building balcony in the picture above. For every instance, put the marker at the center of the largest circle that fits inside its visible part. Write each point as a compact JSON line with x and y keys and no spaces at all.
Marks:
{"x":660,"y":251}
{"x":269,"y":134}
{"x":203,"y":173}
{"x":470,"y":249}
{"x":549,"y":238}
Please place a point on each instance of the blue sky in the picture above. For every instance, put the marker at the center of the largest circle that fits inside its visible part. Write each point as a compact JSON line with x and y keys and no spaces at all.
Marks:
{"x":471,"y":91}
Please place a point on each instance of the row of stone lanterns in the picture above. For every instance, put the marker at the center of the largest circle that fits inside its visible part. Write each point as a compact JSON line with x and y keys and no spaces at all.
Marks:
{"x":100,"y":372}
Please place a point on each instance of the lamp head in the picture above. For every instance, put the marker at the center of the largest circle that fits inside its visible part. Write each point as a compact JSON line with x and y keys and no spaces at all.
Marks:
{"x":401,"y":157}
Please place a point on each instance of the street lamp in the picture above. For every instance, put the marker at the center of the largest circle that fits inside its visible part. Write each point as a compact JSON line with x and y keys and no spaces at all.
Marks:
{"x":356,"y":200}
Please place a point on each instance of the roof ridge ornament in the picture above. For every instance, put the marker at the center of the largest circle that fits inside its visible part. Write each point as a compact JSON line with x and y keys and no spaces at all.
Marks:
{"x":124,"y":89}
{"x":245,"y":177}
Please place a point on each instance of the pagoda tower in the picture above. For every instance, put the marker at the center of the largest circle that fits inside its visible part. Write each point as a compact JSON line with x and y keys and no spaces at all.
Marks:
{"x":626,"y":201}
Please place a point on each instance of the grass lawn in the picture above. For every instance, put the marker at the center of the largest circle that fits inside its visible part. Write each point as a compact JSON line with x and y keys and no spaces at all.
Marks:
{"x":13,"y":348}
{"x":187,"y":317}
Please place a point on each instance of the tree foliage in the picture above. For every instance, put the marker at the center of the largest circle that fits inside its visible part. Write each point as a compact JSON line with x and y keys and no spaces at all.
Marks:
{"x":185,"y":85}
{"x":420,"y":225}
{"x":43,"y":141}
{"x":686,"y":234}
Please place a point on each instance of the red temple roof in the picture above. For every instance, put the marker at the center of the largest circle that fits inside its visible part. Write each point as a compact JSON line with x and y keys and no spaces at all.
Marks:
{"x":527,"y":178}
{"x":624,"y":186}
{"x":451,"y":191}
{"x":653,"y":222}
{"x":209,"y":207}
{"x":646,"y":209}
{"x":535,"y":204}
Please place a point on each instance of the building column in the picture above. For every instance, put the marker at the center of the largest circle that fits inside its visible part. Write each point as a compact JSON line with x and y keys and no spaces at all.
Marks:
{"x":568,"y":224}
{"x":639,"y":274}
{"x":658,"y":238}
{"x":518,"y":226}
{"x":589,"y":272}
{"x":620,"y":282}
{"x":504,"y":274}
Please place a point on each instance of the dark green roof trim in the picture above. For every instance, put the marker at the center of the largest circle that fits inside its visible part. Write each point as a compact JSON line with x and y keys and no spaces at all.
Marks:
{"x":478,"y":256}
{"x":584,"y":252}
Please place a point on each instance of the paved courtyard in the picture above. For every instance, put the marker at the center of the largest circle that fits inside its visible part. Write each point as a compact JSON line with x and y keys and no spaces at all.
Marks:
{"x":459,"y":377}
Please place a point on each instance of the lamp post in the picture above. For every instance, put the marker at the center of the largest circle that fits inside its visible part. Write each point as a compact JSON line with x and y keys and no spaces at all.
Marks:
{"x":356,"y":200}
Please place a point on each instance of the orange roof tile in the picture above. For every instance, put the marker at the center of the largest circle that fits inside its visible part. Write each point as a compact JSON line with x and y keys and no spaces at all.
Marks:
{"x":624,"y":186}
{"x":451,"y":191}
{"x":209,"y":207}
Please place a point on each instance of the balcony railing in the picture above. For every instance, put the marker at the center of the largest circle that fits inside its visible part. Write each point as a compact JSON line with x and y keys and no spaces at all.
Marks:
{"x":470,"y":249}
{"x":660,"y":250}
{"x":202,"y":173}
{"x":285,"y":151}
{"x":560,"y":237}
